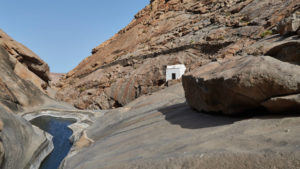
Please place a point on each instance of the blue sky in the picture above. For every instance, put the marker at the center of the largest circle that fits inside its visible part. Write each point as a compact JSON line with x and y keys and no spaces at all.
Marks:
{"x":63,"y":32}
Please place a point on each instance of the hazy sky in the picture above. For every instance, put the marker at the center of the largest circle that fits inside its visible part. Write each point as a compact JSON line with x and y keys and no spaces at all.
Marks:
{"x":63,"y":32}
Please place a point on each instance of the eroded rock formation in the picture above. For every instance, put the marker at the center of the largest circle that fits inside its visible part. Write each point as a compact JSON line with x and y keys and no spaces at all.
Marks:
{"x":26,"y":64}
{"x":191,"y":32}
{"x":23,"y":78}
{"x":251,"y":82}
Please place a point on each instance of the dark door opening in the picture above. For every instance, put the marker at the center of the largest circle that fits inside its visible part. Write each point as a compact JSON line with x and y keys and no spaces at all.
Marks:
{"x":173,"y":76}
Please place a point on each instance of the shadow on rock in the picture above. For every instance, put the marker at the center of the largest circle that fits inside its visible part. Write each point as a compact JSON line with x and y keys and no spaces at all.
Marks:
{"x":181,"y":114}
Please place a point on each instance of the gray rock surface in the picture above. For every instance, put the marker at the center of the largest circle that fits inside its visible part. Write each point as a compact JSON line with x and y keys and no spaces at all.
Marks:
{"x":240,"y":84}
{"x":21,"y":144}
{"x":290,"y":24}
{"x":161,"y":131}
{"x":284,"y":48}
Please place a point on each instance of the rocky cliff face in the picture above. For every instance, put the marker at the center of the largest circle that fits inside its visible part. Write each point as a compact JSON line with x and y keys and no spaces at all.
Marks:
{"x":25,"y":63}
{"x":23,"y":78}
{"x":247,"y":83}
{"x":191,"y":32}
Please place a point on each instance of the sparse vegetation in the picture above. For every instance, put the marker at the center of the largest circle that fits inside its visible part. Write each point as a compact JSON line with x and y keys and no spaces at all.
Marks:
{"x":113,"y":81}
{"x":266,"y":33}
{"x":82,"y":89}
{"x":221,"y":37}
{"x":245,"y":23}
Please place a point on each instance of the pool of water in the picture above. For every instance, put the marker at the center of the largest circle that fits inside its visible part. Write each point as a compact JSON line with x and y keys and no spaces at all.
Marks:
{"x":57,"y":127}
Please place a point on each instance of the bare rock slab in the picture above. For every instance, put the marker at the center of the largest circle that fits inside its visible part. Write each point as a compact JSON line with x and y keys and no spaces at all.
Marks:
{"x":21,"y":144}
{"x":161,"y":131}
{"x":241,"y":84}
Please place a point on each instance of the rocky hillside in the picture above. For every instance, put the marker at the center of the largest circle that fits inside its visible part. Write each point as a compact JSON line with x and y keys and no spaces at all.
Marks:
{"x":23,"y":80}
{"x":166,"y":32}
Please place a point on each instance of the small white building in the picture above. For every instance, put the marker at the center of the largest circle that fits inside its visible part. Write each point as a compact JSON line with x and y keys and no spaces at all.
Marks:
{"x":175,"y":71}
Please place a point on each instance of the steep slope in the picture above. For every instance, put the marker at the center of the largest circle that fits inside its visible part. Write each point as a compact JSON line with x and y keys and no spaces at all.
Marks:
{"x":166,"y":32}
{"x":26,"y":64}
{"x":23,"y":78}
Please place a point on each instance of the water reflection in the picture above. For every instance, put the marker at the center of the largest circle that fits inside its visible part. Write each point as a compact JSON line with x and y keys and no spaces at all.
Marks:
{"x":57,"y":127}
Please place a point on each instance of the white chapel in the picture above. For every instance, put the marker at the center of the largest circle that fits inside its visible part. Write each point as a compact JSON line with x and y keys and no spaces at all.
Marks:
{"x":175,"y":71}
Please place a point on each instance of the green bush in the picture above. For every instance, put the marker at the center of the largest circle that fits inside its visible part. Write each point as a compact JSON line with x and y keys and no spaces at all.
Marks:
{"x":266,"y":33}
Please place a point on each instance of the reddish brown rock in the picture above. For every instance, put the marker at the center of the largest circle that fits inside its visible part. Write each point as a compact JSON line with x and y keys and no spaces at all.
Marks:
{"x":20,"y":88}
{"x":36,"y":70}
{"x":26,"y":74}
{"x":290,"y":24}
{"x":242,"y":84}
{"x":286,"y":49}
{"x":132,"y":63}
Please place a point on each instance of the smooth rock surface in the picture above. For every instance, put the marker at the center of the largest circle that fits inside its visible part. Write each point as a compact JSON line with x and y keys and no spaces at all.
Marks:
{"x":21,"y":145}
{"x":21,"y":80}
{"x":161,"y":131}
{"x":240,"y":84}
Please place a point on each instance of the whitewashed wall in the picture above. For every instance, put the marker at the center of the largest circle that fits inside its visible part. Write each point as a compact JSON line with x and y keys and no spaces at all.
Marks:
{"x":178,"y":71}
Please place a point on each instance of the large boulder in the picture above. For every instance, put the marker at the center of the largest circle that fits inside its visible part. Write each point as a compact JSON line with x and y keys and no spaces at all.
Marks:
{"x":241,"y":84}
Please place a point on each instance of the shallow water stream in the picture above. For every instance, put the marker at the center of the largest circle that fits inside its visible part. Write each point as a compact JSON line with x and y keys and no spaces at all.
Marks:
{"x":57,"y":127}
